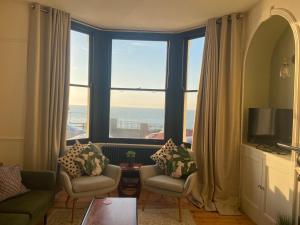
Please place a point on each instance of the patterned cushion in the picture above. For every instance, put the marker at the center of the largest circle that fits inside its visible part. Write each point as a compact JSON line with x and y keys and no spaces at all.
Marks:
{"x":10,"y":182}
{"x":67,"y":161}
{"x":95,"y":147}
{"x":160,"y":157}
{"x":181,"y":164}
{"x":91,"y":160}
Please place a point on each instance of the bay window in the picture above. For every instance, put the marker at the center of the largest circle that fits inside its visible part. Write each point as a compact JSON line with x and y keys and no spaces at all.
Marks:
{"x":79,"y":90}
{"x":193,"y":70}
{"x":137,"y":93}
{"x":133,"y":87}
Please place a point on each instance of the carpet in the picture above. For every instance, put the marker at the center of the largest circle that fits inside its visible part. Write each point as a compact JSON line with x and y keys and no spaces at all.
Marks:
{"x":164,"y":217}
{"x":148,"y":217}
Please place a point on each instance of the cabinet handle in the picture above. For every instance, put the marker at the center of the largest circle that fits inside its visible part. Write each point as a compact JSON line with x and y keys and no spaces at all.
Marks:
{"x":262,"y":188}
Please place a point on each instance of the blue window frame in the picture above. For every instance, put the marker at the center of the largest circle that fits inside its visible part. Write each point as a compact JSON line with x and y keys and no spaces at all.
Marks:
{"x":106,"y":86}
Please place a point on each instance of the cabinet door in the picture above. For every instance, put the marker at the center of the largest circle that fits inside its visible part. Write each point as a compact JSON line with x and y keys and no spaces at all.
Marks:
{"x":278,"y":187}
{"x":252,"y":170}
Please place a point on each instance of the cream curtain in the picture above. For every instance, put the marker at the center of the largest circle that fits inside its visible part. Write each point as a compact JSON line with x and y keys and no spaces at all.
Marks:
{"x":216,"y":137}
{"x":47,"y":87}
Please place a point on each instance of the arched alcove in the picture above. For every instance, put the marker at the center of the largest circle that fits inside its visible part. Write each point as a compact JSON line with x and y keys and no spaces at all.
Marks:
{"x":274,"y":42}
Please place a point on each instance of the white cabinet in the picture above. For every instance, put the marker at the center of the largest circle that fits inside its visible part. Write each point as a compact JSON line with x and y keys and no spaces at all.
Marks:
{"x":252,"y":171}
{"x":267,"y":185}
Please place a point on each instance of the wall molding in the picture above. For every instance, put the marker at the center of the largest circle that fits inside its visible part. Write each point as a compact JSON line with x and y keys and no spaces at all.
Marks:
{"x":7,"y":138}
{"x":290,"y":18}
{"x":14,"y":40}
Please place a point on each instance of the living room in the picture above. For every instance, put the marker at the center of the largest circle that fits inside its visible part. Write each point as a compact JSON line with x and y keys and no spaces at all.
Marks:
{"x":149,"y":112}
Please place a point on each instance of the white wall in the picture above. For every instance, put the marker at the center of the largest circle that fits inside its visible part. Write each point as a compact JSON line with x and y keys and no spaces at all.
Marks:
{"x":261,"y":12}
{"x":282,"y":90}
{"x":257,"y":16}
{"x":13,"y":43}
{"x":13,"y":65}
{"x":258,"y":67}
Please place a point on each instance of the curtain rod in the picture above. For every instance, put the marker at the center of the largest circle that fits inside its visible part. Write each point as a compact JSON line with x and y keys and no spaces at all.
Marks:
{"x":238,"y":16}
{"x":42,"y":10}
{"x":137,"y":30}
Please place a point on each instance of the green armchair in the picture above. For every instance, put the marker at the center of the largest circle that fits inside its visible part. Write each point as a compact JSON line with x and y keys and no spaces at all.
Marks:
{"x":30,"y":208}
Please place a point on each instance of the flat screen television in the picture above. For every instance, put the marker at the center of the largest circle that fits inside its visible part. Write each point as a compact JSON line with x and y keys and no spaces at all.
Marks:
{"x":269,"y":126}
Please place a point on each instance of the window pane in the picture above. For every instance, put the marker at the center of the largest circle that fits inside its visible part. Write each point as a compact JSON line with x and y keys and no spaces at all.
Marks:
{"x":189,"y":115}
{"x":139,"y":64}
{"x":137,"y":114}
{"x":194,"y":62}
{"x":78,"y":114}
{"x":79,"y":58}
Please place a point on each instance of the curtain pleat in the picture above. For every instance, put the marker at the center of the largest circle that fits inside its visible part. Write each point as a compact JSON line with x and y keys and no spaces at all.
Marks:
{"x":216,"y":137}
{"x":47,"y":88}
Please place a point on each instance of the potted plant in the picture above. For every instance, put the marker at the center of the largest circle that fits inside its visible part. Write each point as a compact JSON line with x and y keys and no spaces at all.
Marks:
{"x":130,"y":155}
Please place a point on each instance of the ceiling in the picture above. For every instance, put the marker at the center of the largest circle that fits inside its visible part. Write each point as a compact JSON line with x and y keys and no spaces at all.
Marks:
{"x":150,"y":15}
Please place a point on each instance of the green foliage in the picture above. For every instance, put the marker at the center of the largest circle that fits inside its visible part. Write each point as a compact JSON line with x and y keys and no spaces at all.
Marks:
{"x":180,"y":158}
{"x":130,"y":154}
{"x":91,"y":160}
{"x":284,"y":220}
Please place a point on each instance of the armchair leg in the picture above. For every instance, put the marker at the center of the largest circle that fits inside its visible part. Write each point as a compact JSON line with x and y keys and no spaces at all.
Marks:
{"x":73,"y":209}
{"x":179,"y":209}
{"x":145,"y":200}
{"x":108,"y":194}
{"x":67,"y":201}
{"x":45,"y":219}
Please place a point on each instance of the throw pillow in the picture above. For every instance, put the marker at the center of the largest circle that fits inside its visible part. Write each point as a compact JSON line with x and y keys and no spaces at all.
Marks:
{"x":94,"y":147}
{"x":67,"y":161}
{"x":91,"y":160}
{"x":10,"y":182}
{"x":162,"y":155}
{"x":181,"y":164}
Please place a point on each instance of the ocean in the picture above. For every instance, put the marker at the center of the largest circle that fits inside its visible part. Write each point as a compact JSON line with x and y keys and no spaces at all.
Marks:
{"x":154,"y":118}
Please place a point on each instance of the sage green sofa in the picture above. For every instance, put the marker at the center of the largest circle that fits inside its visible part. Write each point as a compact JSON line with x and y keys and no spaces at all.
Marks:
{"x":30,"y":208}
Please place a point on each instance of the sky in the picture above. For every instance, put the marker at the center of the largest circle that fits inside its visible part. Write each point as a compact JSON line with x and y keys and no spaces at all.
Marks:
{"x":135,"y":64}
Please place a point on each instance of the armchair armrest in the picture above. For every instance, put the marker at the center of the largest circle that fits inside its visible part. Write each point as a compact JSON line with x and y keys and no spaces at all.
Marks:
{"x":39,"y":180}
{"x":189,"y":183}
{"x":149,"y":171}
{"x":66,"y":182}
{"x":113,"y":172}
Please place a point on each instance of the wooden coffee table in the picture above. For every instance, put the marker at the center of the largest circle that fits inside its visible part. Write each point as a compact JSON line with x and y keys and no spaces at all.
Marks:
{"x":120,"y":211}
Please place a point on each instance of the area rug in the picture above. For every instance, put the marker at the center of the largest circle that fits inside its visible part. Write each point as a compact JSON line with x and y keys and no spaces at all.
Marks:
{"x":63,"y":217}
{"x":148,"y":217}
{"x":164,"y":217}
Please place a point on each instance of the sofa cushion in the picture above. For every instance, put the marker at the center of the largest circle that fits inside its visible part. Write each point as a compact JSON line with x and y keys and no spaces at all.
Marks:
{"x":39,"y":180}
{"x":10,"y":182}
{"x":167,"y":183}
{"x":14,"y":219}
{"x":87,"y":183}
{"x":32,"y":203}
